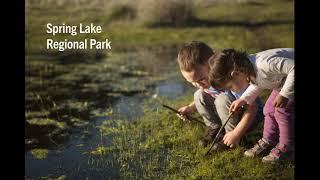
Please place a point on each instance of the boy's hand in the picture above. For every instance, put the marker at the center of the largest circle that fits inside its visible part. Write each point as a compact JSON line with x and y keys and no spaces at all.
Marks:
{"x":235,"y":105}
{"x":184,"y":111}
{"x":280,"y":101}
{"x":183,"y":117}
{"x":231,"y":139}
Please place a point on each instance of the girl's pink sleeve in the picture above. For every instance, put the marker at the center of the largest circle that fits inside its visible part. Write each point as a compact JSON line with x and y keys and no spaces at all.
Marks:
{"x":251,"y":93}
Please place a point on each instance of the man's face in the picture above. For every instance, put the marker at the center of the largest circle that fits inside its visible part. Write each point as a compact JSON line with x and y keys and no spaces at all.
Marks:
{"x":198,"y":77}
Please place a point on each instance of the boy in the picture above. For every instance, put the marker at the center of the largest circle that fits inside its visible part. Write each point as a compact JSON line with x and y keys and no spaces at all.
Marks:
{"x":212,"y":104}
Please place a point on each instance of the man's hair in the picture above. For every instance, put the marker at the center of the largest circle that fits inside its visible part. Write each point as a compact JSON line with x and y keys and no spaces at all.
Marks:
{"x":193,"y":54}
{"x":224,"y":62}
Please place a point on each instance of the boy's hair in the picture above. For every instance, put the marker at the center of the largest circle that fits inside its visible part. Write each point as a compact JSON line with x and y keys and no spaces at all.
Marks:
{"x":224,"y":62}
{"x":193,"y":54}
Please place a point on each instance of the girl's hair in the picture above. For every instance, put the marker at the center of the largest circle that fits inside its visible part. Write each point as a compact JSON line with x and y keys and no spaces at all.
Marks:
{"x":224,"y":62}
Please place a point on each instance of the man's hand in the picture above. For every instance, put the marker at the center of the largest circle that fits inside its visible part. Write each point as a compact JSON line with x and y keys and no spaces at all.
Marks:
{"x":280,"y":101}
{"x":185,"y":110}
{"x":231,"y":139}
{"x":235,"y":105}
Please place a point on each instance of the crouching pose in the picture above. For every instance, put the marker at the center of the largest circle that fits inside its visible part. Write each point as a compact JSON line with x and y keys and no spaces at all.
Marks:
{"x":213,"y":104}
{"x":271,"y":69}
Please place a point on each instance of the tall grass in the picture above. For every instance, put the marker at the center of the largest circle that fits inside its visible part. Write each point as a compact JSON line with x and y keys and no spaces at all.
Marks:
{"x":149,"y":12}
{"x":165,"y":12}
{"x":160,"y":146}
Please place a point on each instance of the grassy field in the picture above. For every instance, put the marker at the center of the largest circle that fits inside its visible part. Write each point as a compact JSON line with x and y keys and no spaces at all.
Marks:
{"x":160,"y":146}
{"x":249,"y":26}
{"x":64,"y":88}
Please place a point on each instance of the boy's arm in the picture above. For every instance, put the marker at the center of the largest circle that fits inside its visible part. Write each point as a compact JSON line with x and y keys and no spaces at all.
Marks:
{"x":246,"y":120}
{"x":192,"y":105}
{"x":233,"y":137}
{"x":188,"y":109}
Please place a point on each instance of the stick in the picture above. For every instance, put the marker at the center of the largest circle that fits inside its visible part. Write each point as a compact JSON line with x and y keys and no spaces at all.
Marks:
{"x":188,"y":118}
{"x":222,"y":127}
{"x":216,"y":138}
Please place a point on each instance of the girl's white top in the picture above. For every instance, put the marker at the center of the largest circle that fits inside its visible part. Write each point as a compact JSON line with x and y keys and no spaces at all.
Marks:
{"x":274,"y":70}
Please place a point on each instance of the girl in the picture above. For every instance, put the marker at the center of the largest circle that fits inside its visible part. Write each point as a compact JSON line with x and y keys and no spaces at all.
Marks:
{"x":271,"y":69}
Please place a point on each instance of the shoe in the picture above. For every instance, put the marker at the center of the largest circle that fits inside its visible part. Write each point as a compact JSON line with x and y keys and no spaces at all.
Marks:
{"x":262,"y":147}
{"x":279,"y":153}
{"x":209,"y":137}
{"x":220,"y":146}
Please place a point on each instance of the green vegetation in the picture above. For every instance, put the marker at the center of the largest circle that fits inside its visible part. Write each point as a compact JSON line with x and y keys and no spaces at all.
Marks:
{"x":47,"y":122}
{"x":165,"y":13}
{"x":66,"y":90}
{"x":160,"y":146}
{"x":39,"y":153}
{"x":246,"y":26}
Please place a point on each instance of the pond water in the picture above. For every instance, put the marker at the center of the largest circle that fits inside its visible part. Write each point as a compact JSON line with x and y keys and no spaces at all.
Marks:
{"x":70,"y":159}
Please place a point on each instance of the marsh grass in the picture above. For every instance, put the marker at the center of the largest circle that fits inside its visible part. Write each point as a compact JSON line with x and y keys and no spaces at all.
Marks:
{"x":70,"y":87}
{"x":40,"y":153}
{"x":152,"y":13}
{"x":160,"y":146}
{"x":64,"y":90}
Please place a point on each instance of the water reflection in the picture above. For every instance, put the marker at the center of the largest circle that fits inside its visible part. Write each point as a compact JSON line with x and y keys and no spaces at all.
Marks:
{"x":70,"y":156}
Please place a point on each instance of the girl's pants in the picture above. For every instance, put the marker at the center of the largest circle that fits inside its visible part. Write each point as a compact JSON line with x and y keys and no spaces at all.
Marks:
{"x":278,"y":122}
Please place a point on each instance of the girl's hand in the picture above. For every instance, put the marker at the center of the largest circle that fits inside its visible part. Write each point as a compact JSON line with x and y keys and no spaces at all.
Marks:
{"x":235,"y":105}
{"x":280,"y":101}
{"x":231,"y":139}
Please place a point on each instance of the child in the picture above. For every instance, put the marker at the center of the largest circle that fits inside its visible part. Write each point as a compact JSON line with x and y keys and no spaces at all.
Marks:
{"x":212,"y":104}
{"x":271,"y":69}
